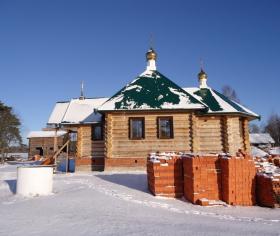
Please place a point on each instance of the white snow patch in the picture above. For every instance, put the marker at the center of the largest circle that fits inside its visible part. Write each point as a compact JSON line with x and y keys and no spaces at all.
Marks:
{"x":256,"y":152}
{"x":45,"y":134}
{"x":274,"y":151}
{"x":135,"y":86}
{"x":99,"y":203}
{"x":58,"y":112}
{"x":184,"y":102}
{"x":147,"y":73}
{"x":77,"y":111}
{"x":261,"y":138}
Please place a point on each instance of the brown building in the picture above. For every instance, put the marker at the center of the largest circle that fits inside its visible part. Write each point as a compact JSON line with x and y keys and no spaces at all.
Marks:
{"x":151,"y":114}
{"x":42,"y":142}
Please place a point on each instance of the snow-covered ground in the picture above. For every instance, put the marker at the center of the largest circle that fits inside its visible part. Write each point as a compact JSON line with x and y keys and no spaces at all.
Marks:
{"x":108,"y":203}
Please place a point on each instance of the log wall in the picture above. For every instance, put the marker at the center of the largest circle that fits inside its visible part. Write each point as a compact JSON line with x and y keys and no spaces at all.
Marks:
{"x":47,"y":144}
{"x":235,"y":134}
{"x":90,"y":153}
{"x":118,"y":144}
{"x":84,"y":148}
{"x":209,"y":134}
{"x":192,"y":133}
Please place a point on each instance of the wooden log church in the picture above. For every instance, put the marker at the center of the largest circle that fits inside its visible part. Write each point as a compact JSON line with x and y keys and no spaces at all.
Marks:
{"x":152,"y":114}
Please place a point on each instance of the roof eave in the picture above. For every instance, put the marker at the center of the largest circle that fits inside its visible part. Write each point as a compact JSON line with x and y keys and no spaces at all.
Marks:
{"x":74,"y":123}
{"x":154,"y":109}
{"x":251,"y":116}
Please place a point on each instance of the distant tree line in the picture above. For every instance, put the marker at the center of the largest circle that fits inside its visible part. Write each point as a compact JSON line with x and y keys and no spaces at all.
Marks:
{"x":272,"y":126}
{"x":9,"y":130}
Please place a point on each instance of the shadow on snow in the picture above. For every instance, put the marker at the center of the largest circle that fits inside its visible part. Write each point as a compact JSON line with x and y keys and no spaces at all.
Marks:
{"x":133,"y":181}
{"x":12,"y":185}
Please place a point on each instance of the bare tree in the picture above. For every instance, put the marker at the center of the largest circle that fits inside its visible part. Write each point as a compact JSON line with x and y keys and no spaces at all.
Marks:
{"x":273,"y":127}
{"x":254,"y":128}
{"x":9,"y":129}
{"x":230,"y":93}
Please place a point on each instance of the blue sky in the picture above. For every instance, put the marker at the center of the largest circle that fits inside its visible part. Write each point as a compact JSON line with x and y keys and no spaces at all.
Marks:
{"x":48,"y":47}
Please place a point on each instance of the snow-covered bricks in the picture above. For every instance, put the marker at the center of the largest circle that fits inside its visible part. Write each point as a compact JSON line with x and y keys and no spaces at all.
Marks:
{"x":205,"y":177}
{"x":202,"y":178}
{"x":268,"y":182}
{"x":165,"y":175}
{"x":268,"y":190}
{"x":238,"y":180}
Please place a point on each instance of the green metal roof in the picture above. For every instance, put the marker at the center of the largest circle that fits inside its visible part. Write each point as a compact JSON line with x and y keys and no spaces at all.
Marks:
{"x":151,"y":90}
{"x":217,"y":103}
{"x":208,"y":99}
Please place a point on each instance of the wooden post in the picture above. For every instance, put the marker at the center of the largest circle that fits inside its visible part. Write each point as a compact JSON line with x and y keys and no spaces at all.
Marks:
{"x":55,"y":144}
{"x":67,"y":157}
{"x":193,"y":132}
{"x":225,"y":134}
{"x":246,"y":137}
{"x":108,"y":136}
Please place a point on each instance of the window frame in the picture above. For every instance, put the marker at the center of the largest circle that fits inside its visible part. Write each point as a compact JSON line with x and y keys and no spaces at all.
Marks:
{"x":171,"y":127}
{"x":130,"y":136}
{"x":93,"y":126}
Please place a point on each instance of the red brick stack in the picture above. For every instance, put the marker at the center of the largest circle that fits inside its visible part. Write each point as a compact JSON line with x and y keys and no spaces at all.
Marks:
{"x":165,"y":177}
{"x":210,"y":177}
{"x":238,"y":181}
{"x":202,"y":178}
{"x":276,"y":161}
{"x":268,"y":190}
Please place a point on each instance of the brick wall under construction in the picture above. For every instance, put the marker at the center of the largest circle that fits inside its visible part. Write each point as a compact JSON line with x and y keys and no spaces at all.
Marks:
{"x":238,"y":181}
{"x":204,"y":178}
{"x":165,"y":177}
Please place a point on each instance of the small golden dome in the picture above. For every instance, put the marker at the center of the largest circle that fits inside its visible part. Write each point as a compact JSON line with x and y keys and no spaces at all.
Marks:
{"x":151,"y":55}
{"x":202,"y":75}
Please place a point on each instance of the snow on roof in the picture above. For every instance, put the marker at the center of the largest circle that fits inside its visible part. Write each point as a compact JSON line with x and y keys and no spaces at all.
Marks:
{"x":274,"y":151}
{"x":45,"y":134}
{"x":58,"y":112}
{"x":256,"y":152}
{"x":258,"y":138}
{"x":77,"y":111}
{"x":217,"y":102}
{"x":149,"y":91}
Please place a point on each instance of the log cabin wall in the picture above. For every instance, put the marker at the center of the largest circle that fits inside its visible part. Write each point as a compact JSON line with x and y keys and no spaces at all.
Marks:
{"x":84,"y":148}
{"x":192,"y":133}
{"x":90,"y":153}
{"x":209,"y":134}
{"x":132,"y":152}
{"x":236,"y":130}
{"x":47,"y":145}
{"x":221,"y":134}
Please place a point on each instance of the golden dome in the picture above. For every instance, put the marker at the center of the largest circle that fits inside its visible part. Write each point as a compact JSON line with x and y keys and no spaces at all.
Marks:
{"x":151,"y":55}
{"x":202,"y":75}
